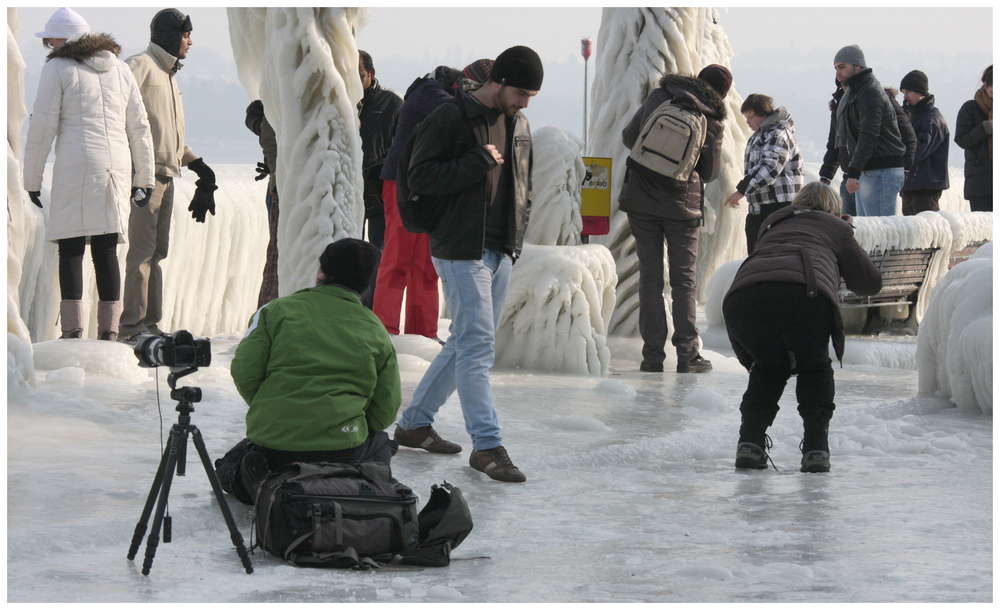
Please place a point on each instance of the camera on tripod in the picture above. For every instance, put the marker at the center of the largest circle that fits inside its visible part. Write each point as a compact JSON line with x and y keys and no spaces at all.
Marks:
{"x":179,"y":350}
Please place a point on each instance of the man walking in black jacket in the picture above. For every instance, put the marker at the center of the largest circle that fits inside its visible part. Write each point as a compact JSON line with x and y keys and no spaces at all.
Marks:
{"x":377,"y":111}
{"x":929,"y":175}
{"x":661,"y":208}
{"x":472,"y":159}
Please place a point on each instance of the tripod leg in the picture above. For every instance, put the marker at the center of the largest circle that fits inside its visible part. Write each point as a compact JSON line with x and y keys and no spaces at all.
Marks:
{"x":234,"y":531}
{"x":140,"y":528}
{"x":178,"y":438}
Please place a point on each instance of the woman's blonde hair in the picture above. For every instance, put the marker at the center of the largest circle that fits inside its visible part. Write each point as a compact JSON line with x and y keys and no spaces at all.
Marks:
{"x":818,"y":196}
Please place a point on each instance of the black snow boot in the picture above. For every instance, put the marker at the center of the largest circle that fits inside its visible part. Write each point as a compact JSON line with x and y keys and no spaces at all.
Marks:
{"x":815,"y":440}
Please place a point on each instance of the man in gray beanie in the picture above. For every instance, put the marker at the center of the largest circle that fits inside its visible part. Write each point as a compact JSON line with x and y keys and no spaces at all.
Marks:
{"x":866,"y":125}
{"x":472,"y":159}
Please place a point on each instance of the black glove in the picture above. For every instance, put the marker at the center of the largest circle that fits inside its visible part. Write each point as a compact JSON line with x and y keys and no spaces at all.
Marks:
{"x":140,"y":196}
{"x":203,"y":200}
{"x":204,"y":172}
{"x":263,"y":171}
{"x":255,"y":116}
{"x":36,"y":198}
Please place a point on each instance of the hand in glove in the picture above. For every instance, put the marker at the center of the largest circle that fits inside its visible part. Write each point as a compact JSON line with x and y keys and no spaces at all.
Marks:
{"x":263,"y":171}
{"x":203,"y":200}
{"x":204,"y":172}
{"x":36,"y":197}
{"x":140,"y":196}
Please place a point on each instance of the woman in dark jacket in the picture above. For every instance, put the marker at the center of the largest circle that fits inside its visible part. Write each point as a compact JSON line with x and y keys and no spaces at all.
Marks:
{"x":974,"y":133}
{"x":781,"y":312}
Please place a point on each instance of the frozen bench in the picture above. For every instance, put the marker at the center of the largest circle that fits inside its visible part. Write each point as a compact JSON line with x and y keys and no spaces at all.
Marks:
{"x":903,"y":273}
{"x":959,"y":256}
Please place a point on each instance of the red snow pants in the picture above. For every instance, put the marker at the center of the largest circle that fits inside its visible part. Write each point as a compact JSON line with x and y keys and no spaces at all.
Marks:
{"x":405,"y":265}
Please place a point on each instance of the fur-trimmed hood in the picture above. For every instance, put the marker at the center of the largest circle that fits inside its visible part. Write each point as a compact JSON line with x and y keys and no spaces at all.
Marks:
{"x":779,"y":119}
{"x":698,"y":90}
{"x":95,"y":50}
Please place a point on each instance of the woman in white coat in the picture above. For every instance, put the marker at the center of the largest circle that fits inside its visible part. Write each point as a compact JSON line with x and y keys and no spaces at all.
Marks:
{"x":89,"y":104}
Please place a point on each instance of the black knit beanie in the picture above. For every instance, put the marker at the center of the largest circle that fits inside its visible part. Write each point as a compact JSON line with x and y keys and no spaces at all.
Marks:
{"x":518,"y":67}
{"x":167,"y":29}
{"x":350,"y":263}
{"x":915,"y":81}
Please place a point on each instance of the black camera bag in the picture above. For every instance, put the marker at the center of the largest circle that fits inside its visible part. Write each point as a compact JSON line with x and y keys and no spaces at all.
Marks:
{"x":356,"y":516}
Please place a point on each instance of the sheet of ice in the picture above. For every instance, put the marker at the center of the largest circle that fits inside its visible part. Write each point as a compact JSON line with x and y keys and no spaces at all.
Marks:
{"x":302,"y":64}
{"x":955,"y":344}
{"x":557,"y":310}
{"x":211,"y":276}
{"x":629,"y":497}
{"x":635,"y":47}
{"x":556,"y":180}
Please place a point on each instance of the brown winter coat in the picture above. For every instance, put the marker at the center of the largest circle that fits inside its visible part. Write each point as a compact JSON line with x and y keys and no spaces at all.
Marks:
{"x":663,"y":197}
{"x":804,"y":246}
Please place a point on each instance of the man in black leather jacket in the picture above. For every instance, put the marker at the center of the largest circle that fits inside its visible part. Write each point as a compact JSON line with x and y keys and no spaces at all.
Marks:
{"x":377,"y":111}
{"x":472,"y":158}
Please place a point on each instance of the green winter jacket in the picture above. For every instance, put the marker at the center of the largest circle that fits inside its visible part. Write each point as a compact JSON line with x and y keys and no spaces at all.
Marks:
{"x":318,"y":370}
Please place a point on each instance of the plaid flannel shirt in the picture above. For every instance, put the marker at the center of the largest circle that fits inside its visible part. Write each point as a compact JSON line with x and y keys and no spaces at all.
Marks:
{"x":774,"y":171}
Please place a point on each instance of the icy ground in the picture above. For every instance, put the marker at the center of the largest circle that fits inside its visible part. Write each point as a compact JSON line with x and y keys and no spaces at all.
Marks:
{"x":631,"y":493}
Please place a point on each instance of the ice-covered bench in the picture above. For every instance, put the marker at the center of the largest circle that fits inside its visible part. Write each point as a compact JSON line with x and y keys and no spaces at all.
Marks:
{"x":903,"y":273}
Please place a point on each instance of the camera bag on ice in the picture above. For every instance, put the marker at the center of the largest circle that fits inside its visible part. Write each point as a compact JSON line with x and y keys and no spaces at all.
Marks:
{"x":669,"y":142}
{"x":356,"y":516}
{"x":418,"y":213}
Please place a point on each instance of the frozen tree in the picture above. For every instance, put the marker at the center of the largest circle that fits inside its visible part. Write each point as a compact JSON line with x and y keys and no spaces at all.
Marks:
{"x":556,"y":182}
{"x":558,"y":309}
{"x":955,"y":344}
{"x":635,"y":47}
{"x":302,"y":63}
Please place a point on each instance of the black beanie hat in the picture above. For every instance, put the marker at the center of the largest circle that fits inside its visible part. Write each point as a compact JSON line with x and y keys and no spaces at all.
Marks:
{"x":350,"y":263}
{"x":915,"y":81}
{"x":167,"y":28}
{"x":518,"y":67}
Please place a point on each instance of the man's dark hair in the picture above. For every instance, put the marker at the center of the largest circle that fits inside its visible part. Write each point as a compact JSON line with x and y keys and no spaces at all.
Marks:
{"x":759,"y":104}
{"x":988,"y":76}
{"x":366,"y":60}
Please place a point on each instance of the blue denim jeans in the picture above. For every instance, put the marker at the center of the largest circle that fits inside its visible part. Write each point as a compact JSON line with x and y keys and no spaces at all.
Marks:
{"x":878,"y":190}
{"x":475,"y":292}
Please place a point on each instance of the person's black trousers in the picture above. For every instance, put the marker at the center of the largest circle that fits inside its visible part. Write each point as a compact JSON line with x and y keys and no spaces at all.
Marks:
{"x":785,"y":332}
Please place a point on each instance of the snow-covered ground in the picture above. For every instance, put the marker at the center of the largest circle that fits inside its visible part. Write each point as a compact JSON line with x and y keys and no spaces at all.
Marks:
{"x":631,"y":493}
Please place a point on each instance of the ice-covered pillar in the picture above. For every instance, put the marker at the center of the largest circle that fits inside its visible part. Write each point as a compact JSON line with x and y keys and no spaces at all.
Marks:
{"x":635,"y":47}
{"x":302,"y":63}
{"x":21,"y":221}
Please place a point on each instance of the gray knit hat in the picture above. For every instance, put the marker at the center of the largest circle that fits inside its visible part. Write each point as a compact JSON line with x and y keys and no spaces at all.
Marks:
{"x":851,"y":54}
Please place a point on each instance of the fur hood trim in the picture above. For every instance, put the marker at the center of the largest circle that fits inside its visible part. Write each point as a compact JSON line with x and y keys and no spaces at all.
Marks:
{"x":699,"y":88}
{"x":86,"y":47}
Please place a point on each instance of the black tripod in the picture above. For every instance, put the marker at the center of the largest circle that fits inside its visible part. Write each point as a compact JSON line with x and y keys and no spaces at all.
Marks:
{"x":174,"y":456}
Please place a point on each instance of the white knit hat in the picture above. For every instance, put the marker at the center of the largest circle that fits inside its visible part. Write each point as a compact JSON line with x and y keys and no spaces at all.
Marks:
{"x":65,"y":23}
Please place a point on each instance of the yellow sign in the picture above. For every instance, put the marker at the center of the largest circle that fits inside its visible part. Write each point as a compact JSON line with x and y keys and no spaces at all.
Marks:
{"x":595,"y":205}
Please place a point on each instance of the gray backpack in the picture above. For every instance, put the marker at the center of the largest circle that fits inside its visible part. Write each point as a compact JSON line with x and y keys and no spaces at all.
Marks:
{"x":669,"y":142}
{"x":356,"y":516}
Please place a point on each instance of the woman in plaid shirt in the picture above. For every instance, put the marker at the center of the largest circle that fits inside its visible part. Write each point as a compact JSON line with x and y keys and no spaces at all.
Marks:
{"x":772,"y":164}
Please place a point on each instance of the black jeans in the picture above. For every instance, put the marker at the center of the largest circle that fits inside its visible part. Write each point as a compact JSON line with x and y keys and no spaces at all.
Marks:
{"x":104,"y":252}
{"x":785,"y":332}
{"x":755,"y":221}
{"x":378,"y":447}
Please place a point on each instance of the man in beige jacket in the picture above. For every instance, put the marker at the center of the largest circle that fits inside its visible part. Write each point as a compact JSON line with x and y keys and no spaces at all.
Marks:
{"x":149,"y":225}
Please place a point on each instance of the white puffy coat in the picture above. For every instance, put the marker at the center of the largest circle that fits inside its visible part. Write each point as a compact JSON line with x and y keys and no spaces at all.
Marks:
{"x":89,"y":103}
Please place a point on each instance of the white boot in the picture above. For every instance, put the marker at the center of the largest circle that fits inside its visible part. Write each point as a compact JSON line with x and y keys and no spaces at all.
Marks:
{"x":108,"y":314}
{"x":71,"y":319}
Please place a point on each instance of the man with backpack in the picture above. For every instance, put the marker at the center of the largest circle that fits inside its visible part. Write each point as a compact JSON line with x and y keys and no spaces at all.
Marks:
{"x":471,"y":159}
{"x":669,"y":206}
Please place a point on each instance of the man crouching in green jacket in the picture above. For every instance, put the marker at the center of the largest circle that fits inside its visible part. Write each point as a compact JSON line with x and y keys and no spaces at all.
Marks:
{"x":319,"y":372}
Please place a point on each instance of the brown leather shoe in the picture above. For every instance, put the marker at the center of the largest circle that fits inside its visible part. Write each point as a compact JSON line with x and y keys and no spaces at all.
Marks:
{"x":496,"y":464}
{"x":424,"y":438}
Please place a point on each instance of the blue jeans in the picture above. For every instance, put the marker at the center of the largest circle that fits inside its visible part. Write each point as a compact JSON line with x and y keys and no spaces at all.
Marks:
{"x":475,"y":292}
{"x":877,"y":192}
{"x":849,"y":206}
